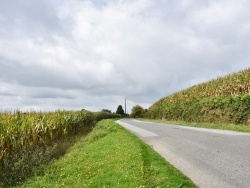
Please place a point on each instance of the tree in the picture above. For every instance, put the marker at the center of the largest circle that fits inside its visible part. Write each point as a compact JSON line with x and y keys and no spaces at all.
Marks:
{"x":106,"y":110}
{"x":120,"y":110}
{"x":137,"y":112}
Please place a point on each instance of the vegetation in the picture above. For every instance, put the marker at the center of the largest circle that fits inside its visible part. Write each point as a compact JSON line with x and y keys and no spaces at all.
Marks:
{"x":109,"y":157}
{"x":120,"y":110}
{"x":222,"y":100}
{"x":137,"y":112}
{"x":106,"y":110}
{"x":222,"y":126}
{"x":30,"y":139}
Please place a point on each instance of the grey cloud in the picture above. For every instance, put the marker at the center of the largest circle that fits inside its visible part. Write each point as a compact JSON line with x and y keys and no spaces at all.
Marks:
{"x":93,"y":54}
{"x":7,"y":94}
{"x":32,"y":18}
{"x":36,"y":76}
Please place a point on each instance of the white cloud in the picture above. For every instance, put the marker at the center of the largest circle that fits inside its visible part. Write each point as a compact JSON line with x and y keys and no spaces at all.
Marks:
{"x":220,"y":13}
{"x":92,"y":54}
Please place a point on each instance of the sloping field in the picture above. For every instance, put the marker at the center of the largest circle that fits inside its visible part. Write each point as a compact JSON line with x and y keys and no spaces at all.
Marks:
{"x":222,"y":100}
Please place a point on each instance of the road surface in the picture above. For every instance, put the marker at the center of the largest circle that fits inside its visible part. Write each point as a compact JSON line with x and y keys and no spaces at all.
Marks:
{"x":211,"y":158}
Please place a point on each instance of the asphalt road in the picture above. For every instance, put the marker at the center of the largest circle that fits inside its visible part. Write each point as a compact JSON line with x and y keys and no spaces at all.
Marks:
{"x":211,"y":158}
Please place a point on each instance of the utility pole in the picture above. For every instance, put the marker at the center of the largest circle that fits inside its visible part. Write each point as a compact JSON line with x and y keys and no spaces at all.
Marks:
{"x":125,"y":108}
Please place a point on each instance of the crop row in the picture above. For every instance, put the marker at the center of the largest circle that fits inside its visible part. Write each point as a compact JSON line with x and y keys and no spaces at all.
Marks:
{"x":20,"y":131}
{"x":231,"y":85}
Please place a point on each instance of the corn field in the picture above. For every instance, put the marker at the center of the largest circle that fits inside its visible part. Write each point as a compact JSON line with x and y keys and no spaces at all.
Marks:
{"x":232,"y":85}
{"x":20,"y":131}
{"x":232,"y":93}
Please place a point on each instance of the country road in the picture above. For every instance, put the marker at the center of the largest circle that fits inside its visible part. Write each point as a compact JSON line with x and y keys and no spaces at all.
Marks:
{"x":211,"y":158}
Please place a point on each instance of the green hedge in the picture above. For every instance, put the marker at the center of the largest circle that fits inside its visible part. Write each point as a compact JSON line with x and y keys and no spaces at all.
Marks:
{"x":223,"y":109}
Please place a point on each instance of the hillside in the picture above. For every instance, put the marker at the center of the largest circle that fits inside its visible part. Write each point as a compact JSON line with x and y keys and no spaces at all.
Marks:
{"x":222,"y":100}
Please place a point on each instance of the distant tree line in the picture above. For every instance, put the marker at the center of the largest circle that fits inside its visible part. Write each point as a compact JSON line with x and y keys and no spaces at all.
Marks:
{"x":136,"y":112}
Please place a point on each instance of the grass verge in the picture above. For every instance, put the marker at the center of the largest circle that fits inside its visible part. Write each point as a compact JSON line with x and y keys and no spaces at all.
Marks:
{"x":231,"y":127}
{"x":109,"y":156}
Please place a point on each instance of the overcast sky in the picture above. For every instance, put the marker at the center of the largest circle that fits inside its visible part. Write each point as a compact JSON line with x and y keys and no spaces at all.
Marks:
{"x":91,"y":54}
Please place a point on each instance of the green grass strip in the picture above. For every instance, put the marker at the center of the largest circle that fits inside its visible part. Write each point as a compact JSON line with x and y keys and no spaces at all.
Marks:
{"x":109,"y":156}
{"x":221,"y":126}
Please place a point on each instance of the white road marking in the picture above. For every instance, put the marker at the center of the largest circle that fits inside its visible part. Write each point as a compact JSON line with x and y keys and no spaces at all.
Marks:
{"x":216,"y":131}
{"x":134,"y":129}
{"x":135,"y":120}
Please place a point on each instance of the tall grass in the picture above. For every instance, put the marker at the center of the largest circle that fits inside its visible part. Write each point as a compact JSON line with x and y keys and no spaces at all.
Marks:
{"x":33,"y":138}
{"x":231,"y":90}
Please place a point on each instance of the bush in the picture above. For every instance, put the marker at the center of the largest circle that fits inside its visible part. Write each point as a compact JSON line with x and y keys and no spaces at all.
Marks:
{"x":137,"y":112}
